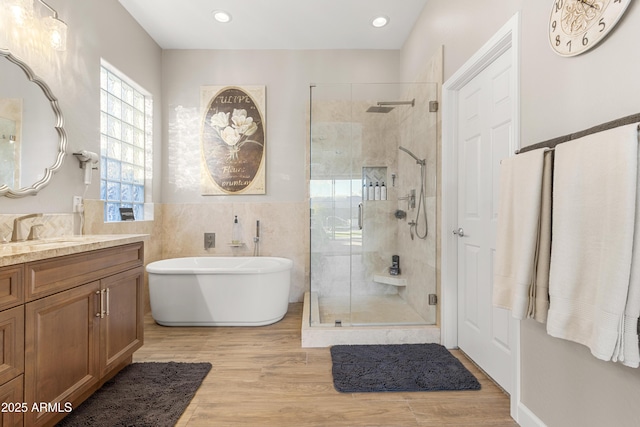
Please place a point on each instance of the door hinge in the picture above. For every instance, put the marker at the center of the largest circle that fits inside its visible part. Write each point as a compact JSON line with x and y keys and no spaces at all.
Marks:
{"x":433,"y":299}
{"x":433,"y":106}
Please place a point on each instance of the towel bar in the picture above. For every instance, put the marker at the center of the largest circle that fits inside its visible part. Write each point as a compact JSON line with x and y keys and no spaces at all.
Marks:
{"x":551,"y":143}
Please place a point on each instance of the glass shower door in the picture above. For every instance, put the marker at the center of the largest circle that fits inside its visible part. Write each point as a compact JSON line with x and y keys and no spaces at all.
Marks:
{"x":354,"y":149}
{"x":334,"y":205}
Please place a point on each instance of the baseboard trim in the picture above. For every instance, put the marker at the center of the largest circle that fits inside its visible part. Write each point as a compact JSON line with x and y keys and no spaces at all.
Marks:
{"x":526,"y":418}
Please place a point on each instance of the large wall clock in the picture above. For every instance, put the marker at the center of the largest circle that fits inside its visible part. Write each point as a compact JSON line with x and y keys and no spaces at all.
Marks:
{"x":576,"y":26}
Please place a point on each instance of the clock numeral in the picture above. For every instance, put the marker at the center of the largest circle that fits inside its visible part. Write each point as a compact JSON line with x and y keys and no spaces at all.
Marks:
{"x":585,"y":40}
{"x":558,"y":40}
{"x":602,"y":24}
{"x":569,"y":46}
{"x":560,"y":5}
{"x":554,"y":24}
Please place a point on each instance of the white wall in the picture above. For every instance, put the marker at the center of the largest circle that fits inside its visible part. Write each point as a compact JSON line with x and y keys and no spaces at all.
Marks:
{"x":561,"y":382}
{"x":97,"y":29}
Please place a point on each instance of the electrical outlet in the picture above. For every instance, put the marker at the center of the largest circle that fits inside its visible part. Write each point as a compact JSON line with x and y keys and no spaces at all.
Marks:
{"x":77,"y":204}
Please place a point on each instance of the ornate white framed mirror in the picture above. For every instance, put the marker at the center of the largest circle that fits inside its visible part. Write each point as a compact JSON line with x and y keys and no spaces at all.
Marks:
{"x":32,"y":137}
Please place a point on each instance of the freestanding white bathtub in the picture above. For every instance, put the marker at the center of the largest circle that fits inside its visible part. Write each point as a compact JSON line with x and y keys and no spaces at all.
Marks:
{"x":219,"y":291}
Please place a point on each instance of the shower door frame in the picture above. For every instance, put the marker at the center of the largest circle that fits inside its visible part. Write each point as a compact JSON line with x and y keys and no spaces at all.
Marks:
{"x":356,"y":170}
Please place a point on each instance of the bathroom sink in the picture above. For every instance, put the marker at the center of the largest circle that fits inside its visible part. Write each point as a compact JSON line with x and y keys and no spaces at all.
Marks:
{"x":49,"y":243}
{"x":62,"y":239}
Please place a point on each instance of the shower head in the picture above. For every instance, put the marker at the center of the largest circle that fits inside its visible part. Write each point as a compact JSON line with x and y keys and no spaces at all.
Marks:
{"x":379,"y":109}
{"x":386,"y":106}
{"x":421,"y":162}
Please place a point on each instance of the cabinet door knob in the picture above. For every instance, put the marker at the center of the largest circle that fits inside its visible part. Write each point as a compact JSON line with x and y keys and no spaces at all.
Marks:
{"x":459,"y":232}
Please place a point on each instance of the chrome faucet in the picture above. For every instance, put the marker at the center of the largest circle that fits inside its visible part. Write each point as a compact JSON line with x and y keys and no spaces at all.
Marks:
{"x":15,"y":234}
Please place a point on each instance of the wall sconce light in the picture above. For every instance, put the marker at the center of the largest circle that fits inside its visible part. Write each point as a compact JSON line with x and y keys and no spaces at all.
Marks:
{"x":55,"y":29}
{"x":21,"y":11}
{"x":19,"y":14}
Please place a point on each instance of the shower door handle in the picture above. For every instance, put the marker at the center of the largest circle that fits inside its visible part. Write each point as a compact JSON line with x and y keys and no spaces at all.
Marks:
{"x":459,"y":232}
{"x":360,"y":216}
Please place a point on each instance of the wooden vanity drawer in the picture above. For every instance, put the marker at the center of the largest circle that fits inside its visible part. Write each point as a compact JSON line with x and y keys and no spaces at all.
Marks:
{"x":53,"y":275}
{"x":11,"y":394}
{"x":11,"y":343}
{"x":11,"y":286}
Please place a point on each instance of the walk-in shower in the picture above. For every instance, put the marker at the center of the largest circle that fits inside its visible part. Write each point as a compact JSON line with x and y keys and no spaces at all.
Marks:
{"x":355,"y":225}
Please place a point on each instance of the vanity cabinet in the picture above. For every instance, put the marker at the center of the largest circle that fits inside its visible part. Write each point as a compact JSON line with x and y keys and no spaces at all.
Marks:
{"x":61,"y":349}
{"x":11,"y":342}
{"x":122,"y":327}
{"x":80,"y":322}
{"x":11,"y":395}
{"x":11,"y":286}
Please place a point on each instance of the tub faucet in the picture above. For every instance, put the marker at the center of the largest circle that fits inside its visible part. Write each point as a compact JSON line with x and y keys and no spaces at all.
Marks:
{"x":15,"y":234}
{"x":256,"y":240}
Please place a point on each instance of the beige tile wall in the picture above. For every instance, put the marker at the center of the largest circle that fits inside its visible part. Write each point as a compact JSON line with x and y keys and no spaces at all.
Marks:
{"x":53,"y":225}
{"x":178,"y":231}
{"x":284,"y":232}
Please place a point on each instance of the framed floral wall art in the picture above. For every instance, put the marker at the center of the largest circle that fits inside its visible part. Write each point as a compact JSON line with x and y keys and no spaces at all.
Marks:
{"x":233,"y":140}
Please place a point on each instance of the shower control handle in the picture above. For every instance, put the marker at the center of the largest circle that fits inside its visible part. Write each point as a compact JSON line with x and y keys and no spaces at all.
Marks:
{"x":360,"y":216}
{"x":459,"y":232}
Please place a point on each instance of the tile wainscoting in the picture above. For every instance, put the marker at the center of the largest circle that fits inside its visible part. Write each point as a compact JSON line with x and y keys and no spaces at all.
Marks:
{"x":177,"y":230}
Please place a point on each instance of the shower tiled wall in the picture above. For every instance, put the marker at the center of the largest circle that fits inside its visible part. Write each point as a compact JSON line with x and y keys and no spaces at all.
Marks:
{"x":418,"y":256}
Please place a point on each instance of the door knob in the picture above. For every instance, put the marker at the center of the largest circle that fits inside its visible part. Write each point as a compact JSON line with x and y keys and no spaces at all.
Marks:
{"x":459,"y":232}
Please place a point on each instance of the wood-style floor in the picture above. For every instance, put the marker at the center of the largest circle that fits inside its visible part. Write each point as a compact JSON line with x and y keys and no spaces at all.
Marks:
{"x":262,"y":377}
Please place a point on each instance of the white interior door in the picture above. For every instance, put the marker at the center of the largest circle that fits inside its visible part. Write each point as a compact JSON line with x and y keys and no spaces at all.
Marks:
{"x":485,"y":135}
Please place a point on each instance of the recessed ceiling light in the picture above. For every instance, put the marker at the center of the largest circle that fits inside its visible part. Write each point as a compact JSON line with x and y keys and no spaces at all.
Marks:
{"x":221,"y":16}
{"x":380,"y":21}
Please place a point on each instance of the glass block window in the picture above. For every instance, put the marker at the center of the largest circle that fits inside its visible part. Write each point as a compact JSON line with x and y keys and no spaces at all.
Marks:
{"x":125,"y":141}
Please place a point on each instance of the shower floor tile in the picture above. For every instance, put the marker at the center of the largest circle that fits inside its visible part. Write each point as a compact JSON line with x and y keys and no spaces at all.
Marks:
{"x":370,"y":310}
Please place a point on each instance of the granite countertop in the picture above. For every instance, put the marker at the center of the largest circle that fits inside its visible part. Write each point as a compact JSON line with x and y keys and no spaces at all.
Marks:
{"x":34,"y":250}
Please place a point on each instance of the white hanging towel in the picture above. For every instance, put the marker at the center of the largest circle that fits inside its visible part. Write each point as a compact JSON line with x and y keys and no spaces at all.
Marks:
{"x":594,"y":204}
{"x":523,"y":238}
{"x":628,"y":350}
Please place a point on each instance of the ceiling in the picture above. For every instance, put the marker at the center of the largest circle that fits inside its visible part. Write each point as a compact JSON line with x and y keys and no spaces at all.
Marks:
{"x":276,"y":24}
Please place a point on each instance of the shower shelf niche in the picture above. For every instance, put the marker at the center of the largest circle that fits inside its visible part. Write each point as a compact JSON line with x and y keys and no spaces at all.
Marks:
{"x":388,"y":279}
{"x":373,"y":175}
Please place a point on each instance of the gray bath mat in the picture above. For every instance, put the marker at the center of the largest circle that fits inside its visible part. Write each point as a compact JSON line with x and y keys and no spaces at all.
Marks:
{"x":401,"y":367}
{"x":142,"y":394}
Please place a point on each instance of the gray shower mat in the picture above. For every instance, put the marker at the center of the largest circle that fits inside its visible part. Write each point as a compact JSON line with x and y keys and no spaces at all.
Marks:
{"x":398,"y":367}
